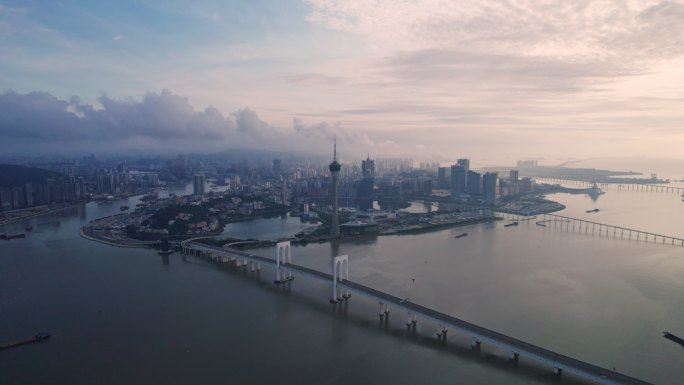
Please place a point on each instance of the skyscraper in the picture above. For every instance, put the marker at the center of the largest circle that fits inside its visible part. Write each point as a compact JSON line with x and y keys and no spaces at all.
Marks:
{"x":335,"y":172}
{"x":442,"y":181}
{"x":368,"y":167}
{"x":489,"y":184}
{"x":474,"y":183}
{"x":458,"y":180}
{"x":277,"y":166}
{"x":364,"y":194}
{"x":465,"y":163}
{"x":198,"y":185}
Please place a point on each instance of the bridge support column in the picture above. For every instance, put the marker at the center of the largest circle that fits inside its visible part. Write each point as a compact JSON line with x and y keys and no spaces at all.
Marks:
{"x":475,"y":343}
{"x":382,"y":310}
{"x":283,"y":256}
{"x":514,"y":356}
{"x":340,"y":273}
{"x":441,"y":333}
{"x":411,"y":322}
{"x":557,"y":371}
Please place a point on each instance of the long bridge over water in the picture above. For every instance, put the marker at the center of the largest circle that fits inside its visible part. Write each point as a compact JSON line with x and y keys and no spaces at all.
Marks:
{"x":342,"y":287}
{"x":620,"y":186}
{"x":584,"y":226}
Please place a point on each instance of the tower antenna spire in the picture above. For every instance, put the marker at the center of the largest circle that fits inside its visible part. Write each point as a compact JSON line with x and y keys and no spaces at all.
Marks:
{"x":335,"y":147}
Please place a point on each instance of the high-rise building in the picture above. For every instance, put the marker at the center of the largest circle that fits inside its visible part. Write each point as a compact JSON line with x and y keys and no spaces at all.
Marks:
{"x":465,"y":163}
{"x":442,"y":177}
{"x":513,"y":175}
{"x":335,"y":172}
{"x":198,"y":185}
{"x":474,"y":183}
{"x":489,"y":186}
{"x":277,"y":166}
{"x":368,"y":167}
{"x":458,"y":180}
{"x":364,"y":193}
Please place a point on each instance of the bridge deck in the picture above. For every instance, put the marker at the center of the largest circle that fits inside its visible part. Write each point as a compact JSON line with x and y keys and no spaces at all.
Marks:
{"x":569,"y":364}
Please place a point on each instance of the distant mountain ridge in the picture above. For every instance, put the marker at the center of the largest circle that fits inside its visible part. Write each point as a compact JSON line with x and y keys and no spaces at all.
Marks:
{"x":14,"y":176}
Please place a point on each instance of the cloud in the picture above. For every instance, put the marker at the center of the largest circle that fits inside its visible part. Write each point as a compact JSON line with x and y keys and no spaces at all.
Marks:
{"x":38,"y":122}
{"x":118,"y":37}
{"x":553,"y":39}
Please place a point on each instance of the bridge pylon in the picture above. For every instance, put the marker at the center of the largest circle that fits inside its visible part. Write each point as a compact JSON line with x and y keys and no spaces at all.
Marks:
{"x":283,"y":256}
{"x":340,"y":273}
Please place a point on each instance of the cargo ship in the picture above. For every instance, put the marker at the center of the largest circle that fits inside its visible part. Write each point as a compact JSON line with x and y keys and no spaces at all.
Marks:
{"x":592,"y":211}
{"x":461,"y":235}
{"x":42,"y":336}
{"x":673,"y":338}
{"x":511,"y":224}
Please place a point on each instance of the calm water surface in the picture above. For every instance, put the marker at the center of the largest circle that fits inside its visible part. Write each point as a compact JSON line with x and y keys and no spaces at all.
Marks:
{"x":126,"y":316}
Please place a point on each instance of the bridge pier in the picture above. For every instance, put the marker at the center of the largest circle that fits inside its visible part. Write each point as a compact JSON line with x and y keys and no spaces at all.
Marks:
{"x":340,"y":273}
{"x":383,"y":310}
{"x":514,"y":356}
{"x":557,"y":371}
{"x":284,"y":253}
{"x":475,"y":344}
{"x":411,"y":322}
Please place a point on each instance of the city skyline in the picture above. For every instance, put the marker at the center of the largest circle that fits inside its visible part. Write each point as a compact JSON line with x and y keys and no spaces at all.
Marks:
{"x":429,"y":78}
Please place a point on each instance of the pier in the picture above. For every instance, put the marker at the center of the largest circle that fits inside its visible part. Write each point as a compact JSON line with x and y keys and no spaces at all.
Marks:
{"x":343,"y":288}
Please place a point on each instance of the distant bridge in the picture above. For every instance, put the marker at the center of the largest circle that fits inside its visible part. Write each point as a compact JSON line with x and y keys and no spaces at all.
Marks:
{"x":620,"y":186}
{"x":342,"y":288}
{"x":596,"y":228}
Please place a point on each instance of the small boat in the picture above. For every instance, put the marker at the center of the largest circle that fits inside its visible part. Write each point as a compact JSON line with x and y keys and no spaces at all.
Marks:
{"x":13,"y":236}
{"x":511,"y":224}
{"x":123,"y":208}
{"x":461,"y":235}
{"x":673,"y":338}
{"x":28,"y":228}
{"x":592,"y":211}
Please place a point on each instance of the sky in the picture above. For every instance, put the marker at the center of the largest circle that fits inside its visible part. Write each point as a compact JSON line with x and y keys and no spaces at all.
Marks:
{"x":434,"y":80}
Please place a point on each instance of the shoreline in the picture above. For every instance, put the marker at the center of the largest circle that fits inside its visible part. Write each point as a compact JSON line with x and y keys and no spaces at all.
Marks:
{"x":112,"y":243}
{"x":33,"y":215}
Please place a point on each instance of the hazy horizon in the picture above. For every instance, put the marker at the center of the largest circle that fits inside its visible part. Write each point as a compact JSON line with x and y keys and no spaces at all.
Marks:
{"x":431,"y":80}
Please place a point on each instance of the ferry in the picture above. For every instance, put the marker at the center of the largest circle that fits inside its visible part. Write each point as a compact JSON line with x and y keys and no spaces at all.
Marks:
{"x":592,"y":211}
{"x":511,"y":224}
{"x":461,"y":235}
